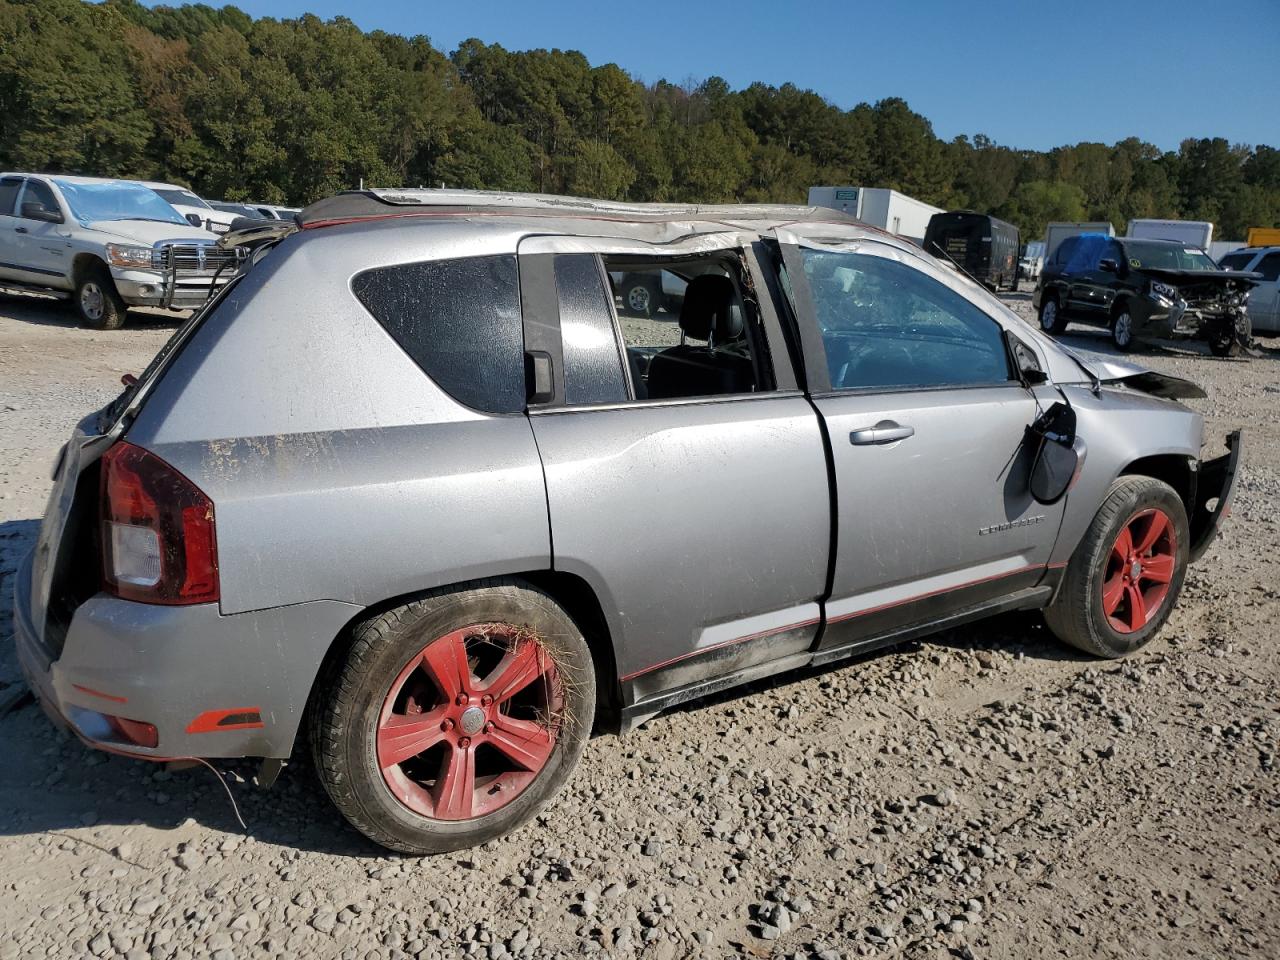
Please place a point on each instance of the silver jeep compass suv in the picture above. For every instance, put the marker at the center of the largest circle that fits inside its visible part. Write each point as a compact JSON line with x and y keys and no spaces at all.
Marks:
{"x":417,"y":478}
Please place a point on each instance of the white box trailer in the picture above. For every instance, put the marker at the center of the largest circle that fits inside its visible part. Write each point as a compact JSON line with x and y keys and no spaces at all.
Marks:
{"x":1195,"y":233}
{"x":1055,"y":233}
{"x":880,"y":207}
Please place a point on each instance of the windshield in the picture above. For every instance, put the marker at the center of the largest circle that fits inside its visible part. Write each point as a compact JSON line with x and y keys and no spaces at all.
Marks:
{"x":95,"y":202}
{"x":1167,"y":256}
{"x":184,"y":197}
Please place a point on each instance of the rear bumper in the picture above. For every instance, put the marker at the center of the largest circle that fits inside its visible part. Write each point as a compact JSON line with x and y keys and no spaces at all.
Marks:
{"x":212,"y":686}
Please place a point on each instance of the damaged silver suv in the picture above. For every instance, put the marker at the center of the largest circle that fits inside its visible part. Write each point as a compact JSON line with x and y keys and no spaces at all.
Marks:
{"x":413,"y":479}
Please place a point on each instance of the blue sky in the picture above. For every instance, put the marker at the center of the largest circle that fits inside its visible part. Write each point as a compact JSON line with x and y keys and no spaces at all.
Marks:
{"x":1032,"y":74}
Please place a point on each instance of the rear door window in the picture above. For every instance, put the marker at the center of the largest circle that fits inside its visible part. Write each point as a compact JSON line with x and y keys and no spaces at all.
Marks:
{"x":459,"y":320}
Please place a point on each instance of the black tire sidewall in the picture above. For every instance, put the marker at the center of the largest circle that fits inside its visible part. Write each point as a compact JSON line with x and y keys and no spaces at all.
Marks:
{"x":1058,"y":320}
{"x":1115,"y":341}
{"x":392,"y":823}
{"x":113,"y":308}
{"x":1085,"y":581}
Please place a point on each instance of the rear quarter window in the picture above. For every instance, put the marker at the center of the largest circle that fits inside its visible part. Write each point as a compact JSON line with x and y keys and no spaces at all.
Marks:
{"x":459,"y":320}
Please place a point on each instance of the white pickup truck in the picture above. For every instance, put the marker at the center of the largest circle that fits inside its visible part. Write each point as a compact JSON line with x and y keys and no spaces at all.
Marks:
{"x":105,"y":244}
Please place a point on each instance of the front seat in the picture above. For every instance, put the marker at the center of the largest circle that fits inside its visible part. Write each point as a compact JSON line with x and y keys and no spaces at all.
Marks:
{"x":709,"y":313}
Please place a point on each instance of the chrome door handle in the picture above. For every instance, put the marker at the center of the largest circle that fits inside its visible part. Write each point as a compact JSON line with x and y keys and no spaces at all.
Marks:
{"x":886,"y":431}
{"x":19,"y":229}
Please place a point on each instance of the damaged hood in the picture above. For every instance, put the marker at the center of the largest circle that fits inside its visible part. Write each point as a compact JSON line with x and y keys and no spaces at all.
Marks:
{"x":1224,"y":279}
{"x":1110,"y":370}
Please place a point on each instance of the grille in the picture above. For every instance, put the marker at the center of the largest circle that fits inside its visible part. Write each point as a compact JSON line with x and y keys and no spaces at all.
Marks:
{"x":201,"y":259}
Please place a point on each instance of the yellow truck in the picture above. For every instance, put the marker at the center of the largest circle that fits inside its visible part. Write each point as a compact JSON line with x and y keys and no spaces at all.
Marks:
{"x":1263,"y":237}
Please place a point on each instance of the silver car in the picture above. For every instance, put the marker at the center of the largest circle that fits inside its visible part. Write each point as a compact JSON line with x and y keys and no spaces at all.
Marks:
{"x":410,"y":478}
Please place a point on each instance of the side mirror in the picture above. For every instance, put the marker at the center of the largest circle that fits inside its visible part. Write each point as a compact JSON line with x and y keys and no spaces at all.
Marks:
{"x":1025,"y":360}
{"x":1059,"y":453}
{"x":194,"y":220}
{"x":1107,"y":265}
{"x":35,"y":210}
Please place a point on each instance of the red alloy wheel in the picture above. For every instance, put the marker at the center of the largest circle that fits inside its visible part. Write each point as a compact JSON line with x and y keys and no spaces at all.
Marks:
{"x":470,"y":722}
{"x":1139,"y":570}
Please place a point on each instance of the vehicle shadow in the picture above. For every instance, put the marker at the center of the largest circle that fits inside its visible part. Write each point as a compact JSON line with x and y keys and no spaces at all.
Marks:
{"x":47,"y":312}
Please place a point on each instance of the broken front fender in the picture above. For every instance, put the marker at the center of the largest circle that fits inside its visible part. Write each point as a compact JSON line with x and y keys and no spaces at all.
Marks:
{"x":1213,"y":496}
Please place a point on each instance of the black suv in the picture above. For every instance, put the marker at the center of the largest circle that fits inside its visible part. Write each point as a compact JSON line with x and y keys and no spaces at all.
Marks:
{"x":1142,"y":289}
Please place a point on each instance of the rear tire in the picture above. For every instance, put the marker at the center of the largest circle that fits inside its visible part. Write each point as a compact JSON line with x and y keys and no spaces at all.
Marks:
{"x":96,"y":301}
{"x":1100,"y":574}
{"x":1052,"y":319}
{"x":485,"y":765}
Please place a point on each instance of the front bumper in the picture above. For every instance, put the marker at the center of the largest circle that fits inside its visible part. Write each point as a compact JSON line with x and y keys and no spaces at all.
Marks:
{"x":183,"y":670}
{"x":1216,"y":482}
{"x":146,"y":288}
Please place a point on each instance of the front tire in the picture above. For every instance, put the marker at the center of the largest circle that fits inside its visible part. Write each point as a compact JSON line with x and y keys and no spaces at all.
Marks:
{"x":96,"y":300}
{"x":1232,"y":342}
{"x":451,"y":720}
{"x":1052,"y":319}
{"x":1125,"y":576}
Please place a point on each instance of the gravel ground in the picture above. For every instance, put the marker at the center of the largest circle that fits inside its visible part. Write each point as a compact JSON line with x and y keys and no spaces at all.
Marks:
{"x":982,"y":794}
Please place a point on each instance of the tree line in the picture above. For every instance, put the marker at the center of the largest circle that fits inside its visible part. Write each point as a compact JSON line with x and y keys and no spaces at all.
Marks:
{"x":289,"y":111}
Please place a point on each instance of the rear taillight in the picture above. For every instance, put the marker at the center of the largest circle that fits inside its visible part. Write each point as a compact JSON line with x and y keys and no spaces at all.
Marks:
{"x":158,"y":538}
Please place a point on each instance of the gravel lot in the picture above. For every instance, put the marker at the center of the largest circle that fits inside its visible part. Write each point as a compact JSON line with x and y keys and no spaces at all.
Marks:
{"x":983,"y":794}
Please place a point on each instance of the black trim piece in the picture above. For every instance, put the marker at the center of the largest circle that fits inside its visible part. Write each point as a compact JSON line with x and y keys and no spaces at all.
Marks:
{"x":931,"y":608}
{"x":788,"y":375}
{"x":665,"y":402}
{"x":236,"y":719}
{"x":1217,"y":479}
{"x":18,"y":266}
{"x":1028,"y":598}
{"x":540,"y":312}
{"x":812,"y":349}
{"x":635,"y":714}
{"x":698,"y":667}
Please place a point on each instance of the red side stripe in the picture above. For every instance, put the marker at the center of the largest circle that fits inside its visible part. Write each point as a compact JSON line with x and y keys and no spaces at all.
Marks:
{"x":934,"y":593}
{"x":98,"y":693}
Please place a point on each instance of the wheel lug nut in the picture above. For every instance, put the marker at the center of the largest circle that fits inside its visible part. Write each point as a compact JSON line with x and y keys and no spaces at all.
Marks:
{"x":488,"y":727}
{"x":464,"y":742}
{"x":486,"y":699}
{"x":462,"y":700}
{"x":446,"y":724}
